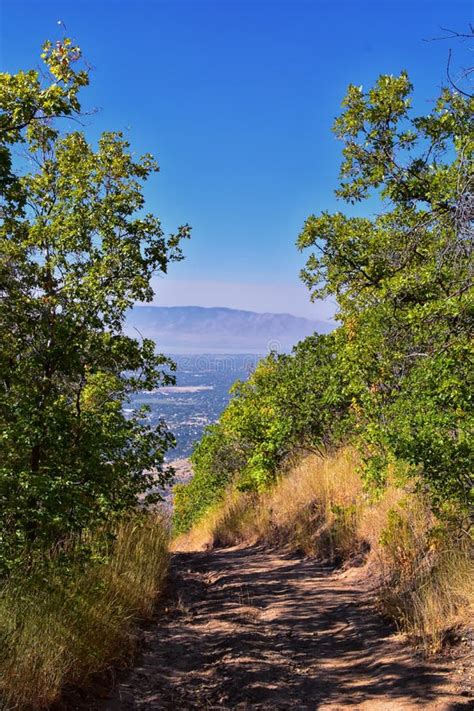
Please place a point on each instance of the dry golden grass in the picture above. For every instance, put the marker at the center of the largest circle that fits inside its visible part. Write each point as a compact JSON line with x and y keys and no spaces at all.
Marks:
{"x":319,"y":508}
{"x":312,"y":509}
{"x":427,"y":573}
{"x":444,"y":601}
{"x":58,"y":630}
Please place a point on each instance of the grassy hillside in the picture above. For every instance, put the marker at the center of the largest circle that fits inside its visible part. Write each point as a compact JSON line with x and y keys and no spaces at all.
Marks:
{"x":68,"y":617}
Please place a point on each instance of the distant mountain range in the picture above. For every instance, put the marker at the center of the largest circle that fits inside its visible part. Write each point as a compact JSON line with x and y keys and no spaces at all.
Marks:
{"x":195,"y":329}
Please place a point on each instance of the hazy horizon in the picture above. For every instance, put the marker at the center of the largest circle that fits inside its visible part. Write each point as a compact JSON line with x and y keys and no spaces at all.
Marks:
{"x":293,"y":299}
{"x":196,"y":330}
{"x":215,"y":306}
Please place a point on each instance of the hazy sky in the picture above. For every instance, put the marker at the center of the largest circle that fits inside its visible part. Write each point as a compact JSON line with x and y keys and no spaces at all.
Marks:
{"x":236,"y":99}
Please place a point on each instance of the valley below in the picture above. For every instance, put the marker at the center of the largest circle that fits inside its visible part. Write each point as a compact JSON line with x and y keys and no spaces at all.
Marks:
{"x":198,"y":398}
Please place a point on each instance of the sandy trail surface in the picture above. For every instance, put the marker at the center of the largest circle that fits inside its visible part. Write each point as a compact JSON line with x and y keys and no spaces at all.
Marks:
{"x":245,"y":628}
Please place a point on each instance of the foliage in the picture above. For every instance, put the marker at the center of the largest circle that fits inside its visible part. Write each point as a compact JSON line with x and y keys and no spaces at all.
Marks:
{"x":297,"y":402}
{"x":27,"y":105}
{"x":77,"y":251}
{"x":403,"y":280}
{"x":215,"y":461}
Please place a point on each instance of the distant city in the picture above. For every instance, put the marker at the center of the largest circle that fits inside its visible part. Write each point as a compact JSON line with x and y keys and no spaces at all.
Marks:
{"x":200,"y":395}
{"x":195,"y":329}
{"x":234,"y":341}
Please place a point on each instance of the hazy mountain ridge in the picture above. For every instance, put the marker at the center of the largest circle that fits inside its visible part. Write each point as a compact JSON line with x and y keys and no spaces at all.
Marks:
{"x":220,"y":329}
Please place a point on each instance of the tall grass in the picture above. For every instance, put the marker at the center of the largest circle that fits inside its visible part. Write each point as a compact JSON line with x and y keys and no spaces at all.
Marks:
{"x":320,"y":508}
{"x":312,"y":510}
{"x":61,"y":624}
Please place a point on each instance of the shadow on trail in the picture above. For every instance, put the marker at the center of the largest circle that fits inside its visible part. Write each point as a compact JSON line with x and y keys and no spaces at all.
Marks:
{"x":252,"y":629}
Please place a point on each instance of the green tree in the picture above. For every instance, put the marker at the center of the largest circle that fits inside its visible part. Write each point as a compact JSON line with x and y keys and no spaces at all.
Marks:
{"x":77,"y":251}
{"x":291,"y":404}
{"x":29,"y":101}
{"x":403,"y":278}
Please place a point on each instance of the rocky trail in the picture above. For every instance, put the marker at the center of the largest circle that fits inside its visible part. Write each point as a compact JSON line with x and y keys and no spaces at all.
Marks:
{"x":245,"y":628}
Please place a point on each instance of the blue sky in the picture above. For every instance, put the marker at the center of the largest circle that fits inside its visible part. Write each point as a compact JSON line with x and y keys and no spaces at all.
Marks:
{"x":236,"y":99}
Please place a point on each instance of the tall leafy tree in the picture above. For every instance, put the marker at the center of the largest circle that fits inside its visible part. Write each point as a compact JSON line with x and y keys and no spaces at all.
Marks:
{"x":77,"y":251}
{"x":403,"y":278}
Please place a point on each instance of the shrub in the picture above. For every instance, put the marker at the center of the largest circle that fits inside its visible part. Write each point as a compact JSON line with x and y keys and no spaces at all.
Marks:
{"x":291,"y":403}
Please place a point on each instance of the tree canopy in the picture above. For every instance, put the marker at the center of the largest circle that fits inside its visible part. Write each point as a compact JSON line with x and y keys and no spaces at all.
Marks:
{"x":78,"y":249}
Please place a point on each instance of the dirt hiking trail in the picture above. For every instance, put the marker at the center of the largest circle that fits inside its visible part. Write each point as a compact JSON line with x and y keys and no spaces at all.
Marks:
{"x":245,"y":628}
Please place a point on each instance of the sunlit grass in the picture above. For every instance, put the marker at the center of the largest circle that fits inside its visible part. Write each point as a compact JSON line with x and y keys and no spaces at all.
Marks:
{"x":320,"y":508}
{"x":60,"y":626}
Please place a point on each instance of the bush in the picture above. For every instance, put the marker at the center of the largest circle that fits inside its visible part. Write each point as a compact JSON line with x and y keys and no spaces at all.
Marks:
{"x":290,"y":403}
{"x":215,"y":460}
